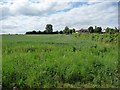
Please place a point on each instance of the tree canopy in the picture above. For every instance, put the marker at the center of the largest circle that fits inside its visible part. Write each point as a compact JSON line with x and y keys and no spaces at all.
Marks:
{"x":68,"y":31}
{"x":49,"y":28}
{"x":91,"y":30}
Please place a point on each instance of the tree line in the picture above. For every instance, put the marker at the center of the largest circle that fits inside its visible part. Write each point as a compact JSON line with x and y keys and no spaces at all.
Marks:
{"x":67,"y":30}
{"x":99,"y":30}
{"x":49,"y":30}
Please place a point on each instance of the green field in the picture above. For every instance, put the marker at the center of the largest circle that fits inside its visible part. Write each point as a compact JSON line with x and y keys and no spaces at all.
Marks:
{"x":60,"y":61}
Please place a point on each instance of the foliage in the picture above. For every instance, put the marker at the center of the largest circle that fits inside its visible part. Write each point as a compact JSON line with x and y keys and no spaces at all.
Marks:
{"x":68,"y":31}
{"x":91,"y":29}
{"x":49,"y":28}
{"x":59,"y":61}
{"x":104,"y":37}
{"x":61,"y":32}
{"x":39,"y":32}
{"x":111,"y":30}
{"x":97,"y":29}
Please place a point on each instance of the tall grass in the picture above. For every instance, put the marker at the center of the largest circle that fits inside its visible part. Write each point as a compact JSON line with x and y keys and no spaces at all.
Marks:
{"x":46,"y":61}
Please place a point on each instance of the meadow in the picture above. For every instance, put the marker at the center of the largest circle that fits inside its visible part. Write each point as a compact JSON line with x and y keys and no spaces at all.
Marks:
{"x":60,"y":61}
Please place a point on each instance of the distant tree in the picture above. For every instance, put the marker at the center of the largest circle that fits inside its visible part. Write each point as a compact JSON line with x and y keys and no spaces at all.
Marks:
{"x":39,"y":32}
{"x":107,"y":30}
{"x":73,"y":31}
{"x":116,"y":30}
{"x":97,"y":29}
{"x":70,"y":31}
{"x":61,"y":32}
{"x":91,"y":30}
{"x":49,"y":28}
{"x":34,"y":32}
{"x":66,"y":30}
{"x":111,"y":30}
{"x":56,"y":32}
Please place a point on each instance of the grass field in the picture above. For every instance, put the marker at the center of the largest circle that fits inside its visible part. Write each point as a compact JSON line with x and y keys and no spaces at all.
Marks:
{"x":60,"y":61}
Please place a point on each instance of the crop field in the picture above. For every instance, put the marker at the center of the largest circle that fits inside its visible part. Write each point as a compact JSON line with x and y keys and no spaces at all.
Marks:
{"x":59,"y":61}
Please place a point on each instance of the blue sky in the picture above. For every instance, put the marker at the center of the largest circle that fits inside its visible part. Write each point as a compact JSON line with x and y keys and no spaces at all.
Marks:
{"x":17,"y":18}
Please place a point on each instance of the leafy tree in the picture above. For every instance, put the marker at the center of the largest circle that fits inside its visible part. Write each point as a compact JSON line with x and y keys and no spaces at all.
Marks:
{"x":66,"y":30}
{"x":73,"y":31}
{"x":61,"y":32}
{"x":70,"y":31}
{"x":97,"y":29}
{"x":111,"y":30}
{"x":49,"y":28}
{"x":39,"y":32}
{"x":116,"y":30}
{"x":91,"y":30}
{"x":107,"y":30}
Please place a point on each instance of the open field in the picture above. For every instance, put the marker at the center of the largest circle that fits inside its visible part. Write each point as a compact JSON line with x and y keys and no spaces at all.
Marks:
{"x":44,"y":61}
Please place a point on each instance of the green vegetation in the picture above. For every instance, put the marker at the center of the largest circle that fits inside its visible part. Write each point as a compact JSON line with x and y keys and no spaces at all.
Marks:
{"x":78,"y":60}
{"x":49,"y":28}
{"x":68,"y":31}
{"x":104,"y":38}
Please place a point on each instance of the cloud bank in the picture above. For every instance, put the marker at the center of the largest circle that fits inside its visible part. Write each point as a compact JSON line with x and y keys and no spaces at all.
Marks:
{"x":20,"y":16}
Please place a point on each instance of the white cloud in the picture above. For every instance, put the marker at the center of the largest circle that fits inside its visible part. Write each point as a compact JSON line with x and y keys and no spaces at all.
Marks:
{"x":23,"y":15}
{"x":81,"y":17}
{"x":41,"y":7}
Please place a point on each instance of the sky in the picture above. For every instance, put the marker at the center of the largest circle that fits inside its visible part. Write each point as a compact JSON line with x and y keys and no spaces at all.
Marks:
{"x":20,"y":16}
